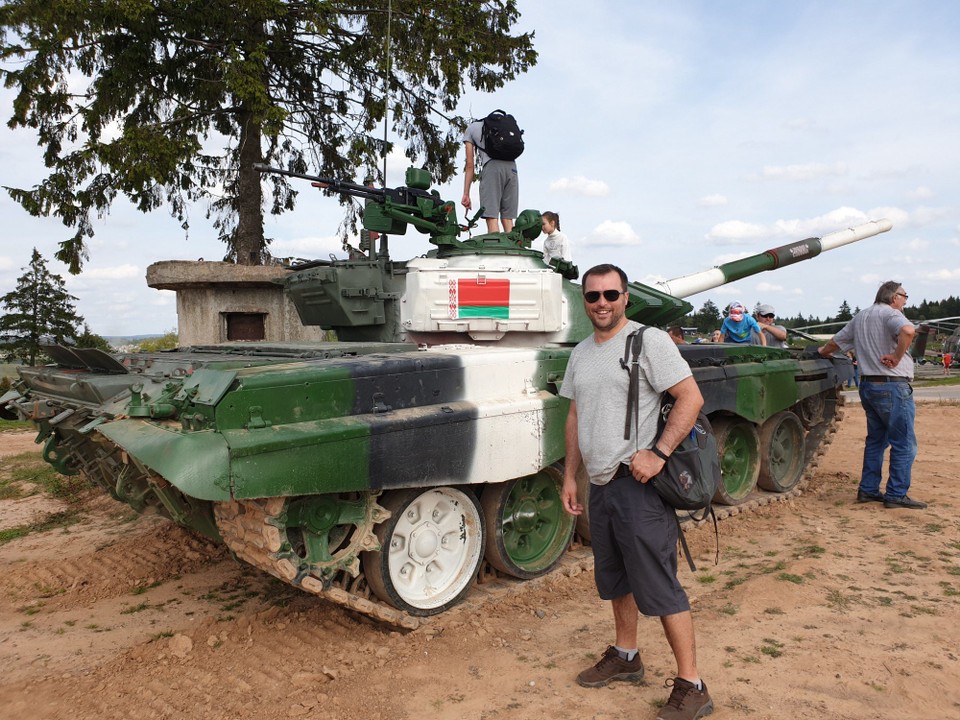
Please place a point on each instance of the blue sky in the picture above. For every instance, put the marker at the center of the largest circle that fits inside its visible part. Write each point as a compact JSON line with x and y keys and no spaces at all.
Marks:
{"x":670,"y":137}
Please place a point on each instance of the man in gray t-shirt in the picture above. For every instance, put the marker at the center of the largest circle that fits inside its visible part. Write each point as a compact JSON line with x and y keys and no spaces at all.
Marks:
{"x":633,"y":534}
{"x":499,"y":182}
{"x":776,"y":334}
{"x":881,"y":336}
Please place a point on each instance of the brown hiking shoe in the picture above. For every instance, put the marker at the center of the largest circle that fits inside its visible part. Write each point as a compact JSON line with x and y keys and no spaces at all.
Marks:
{"x":611,"y":667}
{"x":686,"y":702}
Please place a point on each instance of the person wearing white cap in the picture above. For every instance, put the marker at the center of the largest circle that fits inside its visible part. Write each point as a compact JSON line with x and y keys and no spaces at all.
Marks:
{"x":776,"y":334}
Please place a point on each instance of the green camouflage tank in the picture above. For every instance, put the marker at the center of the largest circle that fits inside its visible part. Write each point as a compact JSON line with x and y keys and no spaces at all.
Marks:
{"x":385,"y":470}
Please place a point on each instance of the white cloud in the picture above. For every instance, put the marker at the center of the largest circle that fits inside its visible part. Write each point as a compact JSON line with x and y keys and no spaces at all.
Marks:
{"x":6,"y":263}
{"x":768,"y":287}
{"x":808,"y":171}
{"x":800,"y":124}
{"x":310,"y":246}
{"x":736,"y":232}
{"x":918,"y":244}
{"x":712,"y":201}
{"x":943,"y":274}
{"x":611,"y":232}
{"x":580,"y":185}
{"x":118,"y":272}
{"x":921,"y":192}
{"x":164,"y":298}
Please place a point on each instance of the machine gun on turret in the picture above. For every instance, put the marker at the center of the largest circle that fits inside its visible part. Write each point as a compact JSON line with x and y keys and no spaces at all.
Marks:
{"x":390,"y":210}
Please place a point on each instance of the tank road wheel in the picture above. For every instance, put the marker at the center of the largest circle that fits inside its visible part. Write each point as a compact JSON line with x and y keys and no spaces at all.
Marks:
{"x":812,"y":410}
{"x":739,"y":446}
{"x":782,"y":448}
{"x":430,"y":549}
{"x":527,"y":528}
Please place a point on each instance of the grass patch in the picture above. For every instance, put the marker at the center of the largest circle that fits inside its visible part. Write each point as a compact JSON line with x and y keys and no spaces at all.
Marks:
{"x":135,"y":609}
{"x":771,"y":647}
{"x":774,"y":611}
{"x":811,"y":551}
{"x":10,"y":490}
{"x":57,"y":520}
{"x":733,"y":582}
{"x":836,"y":600}
{"x":790,"y":577}
{"x":141,"y":589}
{"x":48,"y":480}
{"x":15,"y":425}
{"x":706,"y":579}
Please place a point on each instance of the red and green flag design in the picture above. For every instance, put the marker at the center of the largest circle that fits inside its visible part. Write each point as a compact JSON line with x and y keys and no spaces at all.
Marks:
{"x":479,"y":298}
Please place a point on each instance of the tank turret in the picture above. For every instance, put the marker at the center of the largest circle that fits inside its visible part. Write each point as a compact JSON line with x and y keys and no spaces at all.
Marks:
{"x":481,"y":288}
{"x":386,"y":470}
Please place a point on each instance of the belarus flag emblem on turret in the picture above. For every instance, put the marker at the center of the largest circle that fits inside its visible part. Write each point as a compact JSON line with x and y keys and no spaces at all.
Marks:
{"x":479,"y":298}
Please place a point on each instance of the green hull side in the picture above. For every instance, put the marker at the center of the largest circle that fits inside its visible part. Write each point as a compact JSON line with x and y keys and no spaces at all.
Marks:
{"x":196,"y":463}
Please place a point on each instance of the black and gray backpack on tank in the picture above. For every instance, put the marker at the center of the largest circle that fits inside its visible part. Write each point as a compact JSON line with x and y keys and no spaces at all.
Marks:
{"x":502,"y":137}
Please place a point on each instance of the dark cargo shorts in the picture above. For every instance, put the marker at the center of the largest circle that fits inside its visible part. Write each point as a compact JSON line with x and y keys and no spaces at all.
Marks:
{"x":634,"y":539}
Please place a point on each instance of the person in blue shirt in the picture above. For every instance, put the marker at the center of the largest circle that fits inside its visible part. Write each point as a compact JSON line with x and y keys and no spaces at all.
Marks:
{"x":739,"y":326}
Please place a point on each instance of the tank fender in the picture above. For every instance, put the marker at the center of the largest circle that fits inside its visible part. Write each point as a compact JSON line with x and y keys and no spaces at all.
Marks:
{"x":196,"y":463}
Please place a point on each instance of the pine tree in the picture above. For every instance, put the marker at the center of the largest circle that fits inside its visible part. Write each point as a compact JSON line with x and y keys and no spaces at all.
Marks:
{"x":844,"y":314}
{"x":39,"y":309}
{"x":707,"y":318}
{"x":183,"y":97}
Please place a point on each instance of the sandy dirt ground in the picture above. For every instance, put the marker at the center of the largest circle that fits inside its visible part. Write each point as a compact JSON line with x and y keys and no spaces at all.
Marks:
{"x":818,"y":608}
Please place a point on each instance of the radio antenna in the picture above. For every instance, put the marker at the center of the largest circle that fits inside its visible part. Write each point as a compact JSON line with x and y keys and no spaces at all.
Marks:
{"x":386,"y":87}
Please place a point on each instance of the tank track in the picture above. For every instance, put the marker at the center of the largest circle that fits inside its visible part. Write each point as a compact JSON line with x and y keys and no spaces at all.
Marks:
{"x":248,"y":529}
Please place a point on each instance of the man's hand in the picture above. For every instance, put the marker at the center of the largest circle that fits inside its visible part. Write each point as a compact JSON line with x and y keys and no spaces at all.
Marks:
{"x":569,"y":496}
{"x":466,"y":201}
{"x":645,"y":464}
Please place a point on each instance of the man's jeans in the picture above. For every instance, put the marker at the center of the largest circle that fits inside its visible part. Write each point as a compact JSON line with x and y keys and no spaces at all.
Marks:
{"x":890,"y":414}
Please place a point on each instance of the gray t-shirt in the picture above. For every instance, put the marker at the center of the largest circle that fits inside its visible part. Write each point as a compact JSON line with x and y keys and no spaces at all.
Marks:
{"x":872,"y":334}
{"x":474,"y":134}
{"x":596,"y":382}
{"x":771,"y":340}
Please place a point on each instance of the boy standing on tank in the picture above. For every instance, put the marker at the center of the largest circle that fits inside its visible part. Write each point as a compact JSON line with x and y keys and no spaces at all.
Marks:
{"x":499,"y":182}
{"x":633,"y":533}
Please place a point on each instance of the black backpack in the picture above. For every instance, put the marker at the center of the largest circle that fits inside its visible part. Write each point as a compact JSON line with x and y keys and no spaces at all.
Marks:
{"x":502,"y":137}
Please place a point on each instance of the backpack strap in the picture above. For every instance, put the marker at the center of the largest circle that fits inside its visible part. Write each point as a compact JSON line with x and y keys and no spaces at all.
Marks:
{"x":633,"y":346}
{"x":683,"y":538}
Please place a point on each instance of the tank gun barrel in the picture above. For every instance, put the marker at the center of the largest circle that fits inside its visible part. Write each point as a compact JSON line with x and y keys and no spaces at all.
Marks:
{"x":772,"y":259}
{"x":340,"y":186}
{"x":390,"y":210}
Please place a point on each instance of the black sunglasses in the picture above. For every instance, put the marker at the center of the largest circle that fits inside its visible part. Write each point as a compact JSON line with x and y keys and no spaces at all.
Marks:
{"x":591,"y":296}
{"x":767,"y":315}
